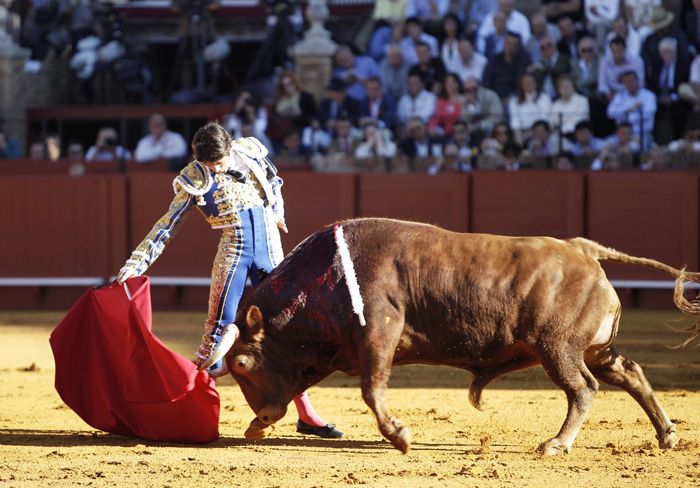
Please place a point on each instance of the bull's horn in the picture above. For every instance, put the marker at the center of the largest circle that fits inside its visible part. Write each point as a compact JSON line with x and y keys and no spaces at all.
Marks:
{"x":228,"y":337}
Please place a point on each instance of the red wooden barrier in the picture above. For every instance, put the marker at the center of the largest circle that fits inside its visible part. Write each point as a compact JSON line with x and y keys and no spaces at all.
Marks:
{"x":651,"y":215}
{"x":441,"y":199}
{"x":313,"y":200}
{"x":55,"y":226}
{"x":545,"y":203}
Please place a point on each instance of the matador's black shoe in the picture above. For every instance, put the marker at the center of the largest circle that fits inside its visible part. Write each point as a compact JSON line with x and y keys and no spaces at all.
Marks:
{"x":328,"y":431}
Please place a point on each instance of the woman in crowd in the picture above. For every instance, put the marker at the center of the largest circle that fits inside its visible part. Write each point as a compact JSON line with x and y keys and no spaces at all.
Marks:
{"x":448,"y":108}
{"x":528,"y":106}
{"x":292,"y":107}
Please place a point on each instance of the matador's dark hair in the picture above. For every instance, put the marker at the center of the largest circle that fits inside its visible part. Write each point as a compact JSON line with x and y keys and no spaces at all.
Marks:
{"x":211,"y":143}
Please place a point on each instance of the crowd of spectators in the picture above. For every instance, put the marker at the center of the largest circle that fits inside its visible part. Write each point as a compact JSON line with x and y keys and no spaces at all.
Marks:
{"x":454,"y":86}
{"x":465,"y":84}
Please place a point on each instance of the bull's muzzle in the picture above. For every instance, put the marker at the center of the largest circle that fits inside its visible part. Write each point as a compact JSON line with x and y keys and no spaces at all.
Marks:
{"x":270,"y":414}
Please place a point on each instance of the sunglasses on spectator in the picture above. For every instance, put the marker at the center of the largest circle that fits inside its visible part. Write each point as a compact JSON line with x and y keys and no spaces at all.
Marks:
{"x":586,"y":49}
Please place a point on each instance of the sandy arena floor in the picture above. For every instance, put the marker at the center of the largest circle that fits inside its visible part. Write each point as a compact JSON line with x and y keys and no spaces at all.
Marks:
{"x":43,"y":443}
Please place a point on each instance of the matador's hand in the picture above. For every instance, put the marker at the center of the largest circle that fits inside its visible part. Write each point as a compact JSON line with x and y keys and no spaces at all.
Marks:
{"x":282,"y":226}
{"x":125,"y":274}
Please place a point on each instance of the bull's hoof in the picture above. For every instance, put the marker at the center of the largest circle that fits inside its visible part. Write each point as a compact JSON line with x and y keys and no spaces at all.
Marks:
{"x":402,"y":440}
{"x":669,"y":441}
{"x":475,"y":398}
{"x":257,"y":430}
{"x":553,"y":447}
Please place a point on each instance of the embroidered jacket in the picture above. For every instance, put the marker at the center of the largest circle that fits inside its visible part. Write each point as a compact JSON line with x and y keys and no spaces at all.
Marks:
{"x":219,"y":197}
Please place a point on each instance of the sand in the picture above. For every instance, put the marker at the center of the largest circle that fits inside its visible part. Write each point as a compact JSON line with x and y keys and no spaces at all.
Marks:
{"x":43,"y":443}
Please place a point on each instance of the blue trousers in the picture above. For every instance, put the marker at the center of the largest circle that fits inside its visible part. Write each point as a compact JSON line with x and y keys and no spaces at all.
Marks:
{"x":251,"y":245}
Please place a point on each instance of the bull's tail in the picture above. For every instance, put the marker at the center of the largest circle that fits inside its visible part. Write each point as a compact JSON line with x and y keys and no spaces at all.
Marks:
{"x":689,"y":307}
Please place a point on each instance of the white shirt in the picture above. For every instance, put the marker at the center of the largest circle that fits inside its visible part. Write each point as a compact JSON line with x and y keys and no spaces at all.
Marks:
{"x":695,"y":70}
{"x":475,"y":68}
{"x":523,"y":115}
{"x":633,"y":41}
{"x":408,"y":47}
{"x":170,"y":145}
{"x":423,"y":106}
{"x":572,"y":111}
{"x":94,"y":154}
{"x":622,"y":101}
{"x":517,"y":22}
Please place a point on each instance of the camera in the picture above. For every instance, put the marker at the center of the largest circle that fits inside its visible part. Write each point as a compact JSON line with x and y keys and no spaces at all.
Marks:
{"x":111,"y":142}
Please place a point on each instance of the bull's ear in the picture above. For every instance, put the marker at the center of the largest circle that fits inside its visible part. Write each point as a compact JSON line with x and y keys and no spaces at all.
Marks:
{"x":254,"y":321}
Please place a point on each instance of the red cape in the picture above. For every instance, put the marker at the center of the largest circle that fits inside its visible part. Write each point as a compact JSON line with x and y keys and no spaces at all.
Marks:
{"x":118,"y":377}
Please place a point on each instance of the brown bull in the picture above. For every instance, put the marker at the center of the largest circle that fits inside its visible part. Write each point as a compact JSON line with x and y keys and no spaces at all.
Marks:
{"x":488,"y":304}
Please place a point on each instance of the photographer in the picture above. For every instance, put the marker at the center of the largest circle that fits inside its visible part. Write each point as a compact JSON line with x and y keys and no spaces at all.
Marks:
{"x":107,"y":147}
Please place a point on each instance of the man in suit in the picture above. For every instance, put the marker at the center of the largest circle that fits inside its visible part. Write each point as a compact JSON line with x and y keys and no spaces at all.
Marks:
{"x":378,"y":105}
{"x":551,"y":65}
{"x":337,"y":102}
{"x":665,"y":76}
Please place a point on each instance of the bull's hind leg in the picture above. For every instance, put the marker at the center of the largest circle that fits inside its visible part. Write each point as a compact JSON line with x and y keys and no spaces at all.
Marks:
{"x":379,"y":345}
{"x":611,"y":367}
{"x":568,"y":370}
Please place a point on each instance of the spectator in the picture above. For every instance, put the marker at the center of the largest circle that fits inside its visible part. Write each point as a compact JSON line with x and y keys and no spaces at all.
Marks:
{"x":639,"y":14}
{"x":585,"y":143}
{"x":52,"y":145}
{"x":107,"y":147}
{"x":690,"y":91}
{"x":462,"y":138}
{"x":451,"y":161}
{"x":315,"y":140}
{"x":476,"y":12}
{"x":656,"y":159}
{"x":551,"y":66}
{"x":417,"y":102}
{"x":354,"y":71}
{"x":570,"y":36}
{"x":540,"y":30}
{"x":483,"y":108}
{"x":160,"y":143}
{"x":449,"y":47}
{"x":511,"y":156}
{"x":75,"y":152}
{"x":620,"y":28}
{"x":417,"y":143}
{"x":470,"y":63}
{"x":393,"y":71}
{"x":42,"y":31}
{"x":491,"y":147}
{"x":515,"y":22}
{"x":493,"y":43}
{"x":290,"y":151}
{"x":9,"y":147}
{"x":337,"y":103}
{"x":246,"y":112}
{"x":375,"y":142}
{"x":621,"y":150}
{"x":502,"y":72}
{"x":378,"y":105}
{"x":448,"y":109}
{"x":616,"y":63}
{"x":584,"y":69}
{"x":37,"y":151}
{"x":664,"y":82}
{"x":555,"y":10}
{"x":429,"y":68}
{"x":543,"y":144}
{"x":692,"y":26}
{"x":662,"y":24}
{"x":570,"y":108}
{"x":291,"y":107}
{"x":564,"y":161}
{"x":636,"y":106}
{"x":385,"y":13}
{"x":414,"y":35}
{"x":427,"y":10}
{"x":687,"y":149}
{"x":345,"y":139}
{"x":600,"y":16}
{"x":529,"y":105}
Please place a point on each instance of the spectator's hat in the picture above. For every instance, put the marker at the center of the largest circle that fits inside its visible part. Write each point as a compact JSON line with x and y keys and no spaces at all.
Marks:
{"x":336,"y":84}
{"x":660,"y":18}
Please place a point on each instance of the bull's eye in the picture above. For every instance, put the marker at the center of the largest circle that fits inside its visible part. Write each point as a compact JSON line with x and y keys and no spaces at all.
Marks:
{"x":241,"y":364}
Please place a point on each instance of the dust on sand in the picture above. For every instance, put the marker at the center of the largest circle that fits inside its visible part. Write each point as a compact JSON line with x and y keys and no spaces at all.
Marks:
{"x":42,"y":442}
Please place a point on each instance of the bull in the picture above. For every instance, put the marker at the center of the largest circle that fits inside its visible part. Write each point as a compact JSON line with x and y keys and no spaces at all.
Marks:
{"x":484,"y":303}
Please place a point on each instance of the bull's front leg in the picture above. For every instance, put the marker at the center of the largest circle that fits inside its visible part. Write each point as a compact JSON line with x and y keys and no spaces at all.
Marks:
{"x":375,"y":367}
